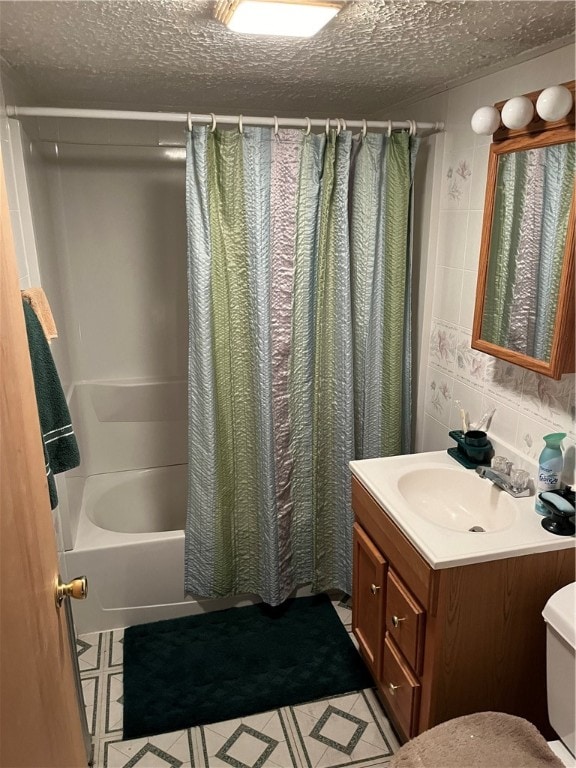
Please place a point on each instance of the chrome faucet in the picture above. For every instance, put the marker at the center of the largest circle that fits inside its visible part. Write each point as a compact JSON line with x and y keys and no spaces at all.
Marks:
{"x":503,"y":481}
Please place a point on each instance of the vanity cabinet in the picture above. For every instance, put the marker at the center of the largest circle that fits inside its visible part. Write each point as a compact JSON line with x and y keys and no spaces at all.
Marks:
{"x":449,"y":642}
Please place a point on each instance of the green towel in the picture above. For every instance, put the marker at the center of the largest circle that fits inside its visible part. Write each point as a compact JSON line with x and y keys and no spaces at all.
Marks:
{"x":60,"y":446}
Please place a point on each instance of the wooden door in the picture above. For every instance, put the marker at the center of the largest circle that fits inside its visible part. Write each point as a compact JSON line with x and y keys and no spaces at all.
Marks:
{"x":368,"y":599}
{"x":40,"y":725}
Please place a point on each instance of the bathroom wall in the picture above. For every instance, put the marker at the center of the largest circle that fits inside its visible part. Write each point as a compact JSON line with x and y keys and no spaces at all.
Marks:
{"x":448,"y":232}
{"x":108,"y":211}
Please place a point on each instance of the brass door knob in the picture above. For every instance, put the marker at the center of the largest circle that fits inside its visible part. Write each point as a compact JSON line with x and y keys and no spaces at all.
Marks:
{"x":374,"y":588}
{"x":393,"y":688}
{"x":77,"y":588}
{"x":397,"y":619}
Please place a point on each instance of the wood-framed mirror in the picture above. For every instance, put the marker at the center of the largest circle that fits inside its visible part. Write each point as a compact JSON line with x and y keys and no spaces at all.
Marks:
{"x":524,"y":310}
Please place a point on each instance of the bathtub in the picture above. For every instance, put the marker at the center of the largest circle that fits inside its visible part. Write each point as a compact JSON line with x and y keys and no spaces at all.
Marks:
{"x":130,"y":545}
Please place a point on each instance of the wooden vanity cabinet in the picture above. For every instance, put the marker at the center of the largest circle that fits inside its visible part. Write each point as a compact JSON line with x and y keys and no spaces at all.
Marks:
{"x":449,"y":642}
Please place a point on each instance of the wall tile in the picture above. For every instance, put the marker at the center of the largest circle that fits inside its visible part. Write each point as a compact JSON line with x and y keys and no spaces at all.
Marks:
{"x":504,"y":381}
{"x":438,"y":396}
{"x":529,"y":437}
{"x":473,"y":238}
{"x":478,"y":185}
{"x":504,"y":422}
{"x":457,"y":180}
{"x":447,"y":292}
{"x":468,"y":299}
{"x":452,"y":238}
{"x":435,"y":435}
{"x":442,"y":349}
{"x":467,"y":399}
{"x":470,"y":363}
{"x":528,"y":406}
{"x":549,"y":401}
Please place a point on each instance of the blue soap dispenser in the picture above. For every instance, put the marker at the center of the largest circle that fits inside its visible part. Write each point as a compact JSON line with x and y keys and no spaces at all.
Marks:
{"x":550,"y":466}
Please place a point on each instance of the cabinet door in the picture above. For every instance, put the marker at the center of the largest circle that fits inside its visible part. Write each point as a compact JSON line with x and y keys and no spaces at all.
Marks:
{"x":368,"y":599}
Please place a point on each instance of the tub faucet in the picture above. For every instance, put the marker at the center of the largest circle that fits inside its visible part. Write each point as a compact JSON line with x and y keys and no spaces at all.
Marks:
{"x":503,"y":481}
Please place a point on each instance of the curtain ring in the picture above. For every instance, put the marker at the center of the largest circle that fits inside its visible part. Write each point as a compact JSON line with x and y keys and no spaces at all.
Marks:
{"x":413,"y":128}
{"x":275,"y":126}
{"x":364,"y":128}
{"x":344,"y":126}
{"x":308,"y":127}
{"x":338,"y":126}
{"x":189,"y":121}
{"x":240,"y":127}
{"x":213,"y":125}
{"x":389,"y":129}
{"x":327,"y":126}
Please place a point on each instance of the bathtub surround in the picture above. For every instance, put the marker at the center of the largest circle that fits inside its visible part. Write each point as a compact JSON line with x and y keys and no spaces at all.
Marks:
{"x":299,"y":344}
{"x":234,"y":663}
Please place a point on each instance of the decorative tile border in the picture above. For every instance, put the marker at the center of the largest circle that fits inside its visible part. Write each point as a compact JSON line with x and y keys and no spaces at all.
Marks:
{"x":470,"y":364}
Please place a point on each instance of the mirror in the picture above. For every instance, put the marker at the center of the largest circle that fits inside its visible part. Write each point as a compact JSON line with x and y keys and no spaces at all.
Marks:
{"x":525,"y":292}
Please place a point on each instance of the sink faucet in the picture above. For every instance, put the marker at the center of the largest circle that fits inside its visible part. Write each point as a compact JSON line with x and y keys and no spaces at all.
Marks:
{"x":503,"y":481}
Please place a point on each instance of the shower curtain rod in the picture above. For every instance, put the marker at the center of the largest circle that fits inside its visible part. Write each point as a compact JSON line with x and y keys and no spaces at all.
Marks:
{"x":209,"y":119}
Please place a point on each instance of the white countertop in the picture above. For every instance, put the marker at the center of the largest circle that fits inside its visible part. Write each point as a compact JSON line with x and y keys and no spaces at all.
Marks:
{"x":440,"y":546}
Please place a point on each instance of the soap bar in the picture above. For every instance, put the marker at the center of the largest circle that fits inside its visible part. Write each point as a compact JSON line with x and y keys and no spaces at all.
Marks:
{"x":558,"y":502}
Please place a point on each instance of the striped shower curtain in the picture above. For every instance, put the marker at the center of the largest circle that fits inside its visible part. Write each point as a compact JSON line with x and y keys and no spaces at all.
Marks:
{"x":299,"y":352}
{"x":533,"y":195}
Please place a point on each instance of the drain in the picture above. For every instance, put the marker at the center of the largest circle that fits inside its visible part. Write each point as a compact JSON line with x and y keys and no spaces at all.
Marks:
{"x":477,"y":529}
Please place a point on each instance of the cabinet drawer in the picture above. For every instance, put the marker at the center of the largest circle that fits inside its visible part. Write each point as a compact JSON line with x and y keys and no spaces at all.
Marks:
{"x":405,"y":619}
{"x":400,"y":689}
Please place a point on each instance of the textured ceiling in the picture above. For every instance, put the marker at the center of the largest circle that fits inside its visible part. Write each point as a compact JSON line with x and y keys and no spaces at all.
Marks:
{"x":162,"y":54}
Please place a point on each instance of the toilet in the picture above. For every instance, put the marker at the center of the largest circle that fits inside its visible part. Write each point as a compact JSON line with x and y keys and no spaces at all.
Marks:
{"x":559,"y":615}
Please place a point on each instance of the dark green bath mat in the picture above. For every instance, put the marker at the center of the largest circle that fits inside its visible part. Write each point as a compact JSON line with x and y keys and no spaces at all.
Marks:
{"x":234,"y":663}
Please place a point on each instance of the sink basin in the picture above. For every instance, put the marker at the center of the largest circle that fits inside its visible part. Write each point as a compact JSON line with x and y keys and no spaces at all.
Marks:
{"x":435,"y":502}
{"x":460,"y":501}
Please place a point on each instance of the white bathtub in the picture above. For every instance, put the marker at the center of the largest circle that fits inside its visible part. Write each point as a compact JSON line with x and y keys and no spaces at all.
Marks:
{"x":130,"y":545}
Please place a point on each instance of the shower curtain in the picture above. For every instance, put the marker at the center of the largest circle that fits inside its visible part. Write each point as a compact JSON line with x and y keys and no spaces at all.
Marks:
{"x":299,"y":353}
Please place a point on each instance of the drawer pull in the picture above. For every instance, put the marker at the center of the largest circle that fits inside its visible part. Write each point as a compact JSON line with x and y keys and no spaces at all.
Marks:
{"x":397,"y":619}
{"x":393,"y":688}
{"x":374,"y":588}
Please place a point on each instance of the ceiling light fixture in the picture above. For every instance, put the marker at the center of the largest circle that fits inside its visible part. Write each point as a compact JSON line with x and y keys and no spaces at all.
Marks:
{"x":296,"y":18}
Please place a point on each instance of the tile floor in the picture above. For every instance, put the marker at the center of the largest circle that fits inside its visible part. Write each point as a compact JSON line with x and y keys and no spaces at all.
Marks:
{"x":347,"y":730}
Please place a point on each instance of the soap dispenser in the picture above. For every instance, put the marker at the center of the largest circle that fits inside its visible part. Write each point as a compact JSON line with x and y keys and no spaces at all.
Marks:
{"x":550,"y":466}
